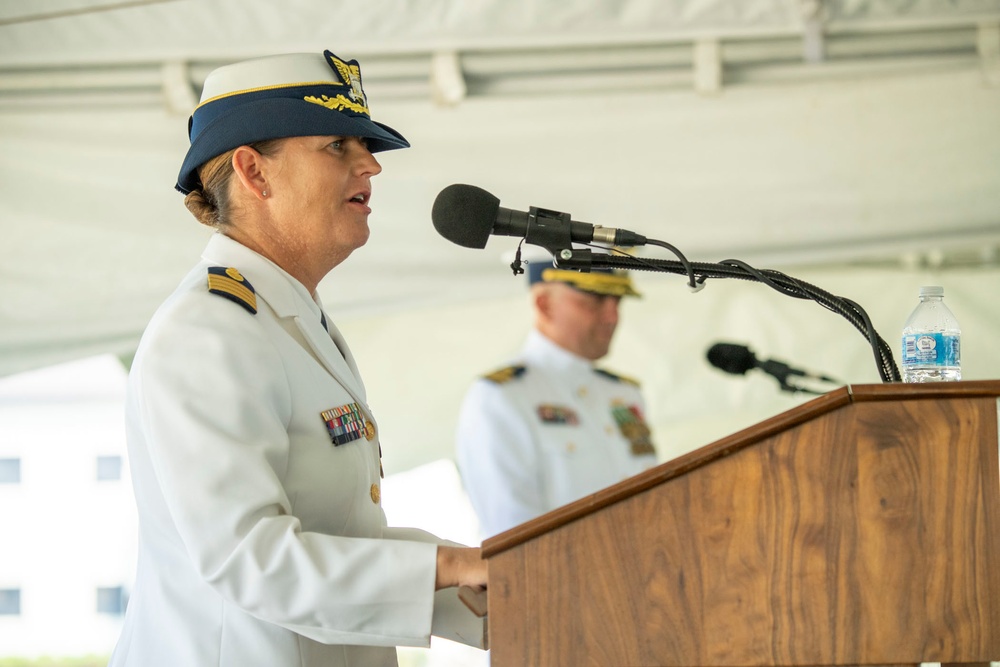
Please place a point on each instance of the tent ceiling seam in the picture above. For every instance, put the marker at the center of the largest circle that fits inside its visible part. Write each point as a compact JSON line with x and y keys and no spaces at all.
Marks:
{"x":448,"y":77}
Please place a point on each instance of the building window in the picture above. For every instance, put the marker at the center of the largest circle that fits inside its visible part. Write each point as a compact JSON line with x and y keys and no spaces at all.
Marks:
{"x":10,"y":471}
{"x":109,"y":468}
{"x":10,"y":601}
{"x":111,"y":600}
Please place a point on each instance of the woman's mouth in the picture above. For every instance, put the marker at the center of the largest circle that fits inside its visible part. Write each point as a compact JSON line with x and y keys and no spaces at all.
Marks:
{"x":361,"y":199}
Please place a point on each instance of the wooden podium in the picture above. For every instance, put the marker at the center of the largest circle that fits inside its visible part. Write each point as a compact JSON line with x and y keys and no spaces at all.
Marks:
{"x":861,"y":528}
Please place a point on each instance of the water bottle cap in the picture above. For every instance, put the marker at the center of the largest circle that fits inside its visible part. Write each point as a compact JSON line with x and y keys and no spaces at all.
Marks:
{"x":933,"y":290}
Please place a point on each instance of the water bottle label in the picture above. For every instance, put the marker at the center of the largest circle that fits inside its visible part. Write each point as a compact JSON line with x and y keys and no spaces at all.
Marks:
{"x":931,"y":349}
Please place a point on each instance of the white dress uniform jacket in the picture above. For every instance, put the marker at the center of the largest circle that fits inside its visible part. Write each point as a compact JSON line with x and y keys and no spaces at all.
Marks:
{"x":545,"y":432}
{"x":261,"y":542}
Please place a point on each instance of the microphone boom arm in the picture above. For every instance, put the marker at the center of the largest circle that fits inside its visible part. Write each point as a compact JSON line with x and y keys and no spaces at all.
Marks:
{"x":781,"y":372}
{"x":700,"y":271}
{"x":467,"y":216}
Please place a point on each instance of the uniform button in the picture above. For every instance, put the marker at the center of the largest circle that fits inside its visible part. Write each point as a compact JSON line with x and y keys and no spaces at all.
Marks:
{"x":369,"y":431}
{"x":609,"y":430}
{"x":376,"y":493}
{"x":570,"y":447}
{"x":581,"y":392}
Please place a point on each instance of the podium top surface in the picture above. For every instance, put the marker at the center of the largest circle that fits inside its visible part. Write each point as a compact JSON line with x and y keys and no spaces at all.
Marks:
{"x":846,"y":395}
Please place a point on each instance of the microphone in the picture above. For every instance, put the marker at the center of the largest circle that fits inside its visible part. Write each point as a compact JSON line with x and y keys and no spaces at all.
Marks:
{"x":738,"y":359}
{"x":467,"y":216}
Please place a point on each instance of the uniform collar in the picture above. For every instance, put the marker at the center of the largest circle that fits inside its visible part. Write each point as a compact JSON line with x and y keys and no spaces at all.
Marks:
{"x":286,"y":295}
{"x":541,"y":351}
{"x":289,"y":298}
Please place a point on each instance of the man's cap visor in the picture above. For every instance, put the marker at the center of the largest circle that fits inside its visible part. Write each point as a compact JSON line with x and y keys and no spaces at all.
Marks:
{"x":603,"y":281}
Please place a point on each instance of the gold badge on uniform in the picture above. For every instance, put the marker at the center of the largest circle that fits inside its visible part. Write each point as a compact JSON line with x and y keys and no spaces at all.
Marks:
{"x":633,"y":426}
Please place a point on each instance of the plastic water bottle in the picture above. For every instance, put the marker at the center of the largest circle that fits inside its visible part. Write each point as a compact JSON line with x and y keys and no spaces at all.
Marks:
{"x":932,"y":341}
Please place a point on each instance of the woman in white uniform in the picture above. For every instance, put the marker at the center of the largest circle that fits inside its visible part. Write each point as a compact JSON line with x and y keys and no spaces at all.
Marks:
{"x":254,"y":454}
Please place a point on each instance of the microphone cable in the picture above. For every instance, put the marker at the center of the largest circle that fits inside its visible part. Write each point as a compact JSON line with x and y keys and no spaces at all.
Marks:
{"x":699,"y":272}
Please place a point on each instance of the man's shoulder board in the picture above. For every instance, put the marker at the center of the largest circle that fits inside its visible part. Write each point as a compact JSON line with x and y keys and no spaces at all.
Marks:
{"x":616,"y":377}
{"x":230,"y":284}
{"x":506,"y":374}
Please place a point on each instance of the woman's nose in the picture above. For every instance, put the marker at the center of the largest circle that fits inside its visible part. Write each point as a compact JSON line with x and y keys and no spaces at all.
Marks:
{"x":372,"y":166}
{"x":367,"y":164}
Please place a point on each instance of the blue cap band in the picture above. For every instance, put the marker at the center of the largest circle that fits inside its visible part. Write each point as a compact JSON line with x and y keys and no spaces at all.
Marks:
{"x":295,"y":95}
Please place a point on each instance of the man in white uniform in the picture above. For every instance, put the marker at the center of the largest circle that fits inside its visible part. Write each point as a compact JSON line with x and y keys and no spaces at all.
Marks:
{"x":552,"y":428}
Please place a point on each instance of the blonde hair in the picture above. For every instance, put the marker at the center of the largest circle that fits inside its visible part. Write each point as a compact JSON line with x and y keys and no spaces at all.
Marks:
{"x":210,"y":204}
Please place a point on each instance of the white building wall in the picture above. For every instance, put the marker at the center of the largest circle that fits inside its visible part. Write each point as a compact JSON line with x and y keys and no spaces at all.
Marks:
{"x":64,"y":533}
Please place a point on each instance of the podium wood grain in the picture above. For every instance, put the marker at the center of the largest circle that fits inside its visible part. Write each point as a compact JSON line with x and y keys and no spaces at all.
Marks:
{"x":861,"y":528}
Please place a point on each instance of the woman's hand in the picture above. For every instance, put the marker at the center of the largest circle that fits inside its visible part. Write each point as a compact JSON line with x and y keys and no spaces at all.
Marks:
{"x":460,"y":566}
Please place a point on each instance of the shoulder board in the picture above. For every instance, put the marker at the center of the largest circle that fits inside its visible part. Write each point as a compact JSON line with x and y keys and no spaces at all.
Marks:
{"x":506,"y":374}
{"x":616,"y":377}
{"x":230,"y":284}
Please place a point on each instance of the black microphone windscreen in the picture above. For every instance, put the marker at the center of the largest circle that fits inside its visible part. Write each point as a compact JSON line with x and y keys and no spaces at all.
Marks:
{"x":465,"y":215}
{"x":736,"y":359}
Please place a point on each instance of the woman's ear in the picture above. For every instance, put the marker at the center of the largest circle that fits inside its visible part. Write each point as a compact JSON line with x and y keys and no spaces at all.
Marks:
{"x":249,"y":169}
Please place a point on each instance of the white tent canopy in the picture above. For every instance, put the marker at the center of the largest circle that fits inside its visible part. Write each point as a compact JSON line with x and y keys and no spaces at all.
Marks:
{"x":853,"y":143}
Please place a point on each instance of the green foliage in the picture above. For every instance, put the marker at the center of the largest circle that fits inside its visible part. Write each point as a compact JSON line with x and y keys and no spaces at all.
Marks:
{"x":81,"y":661}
